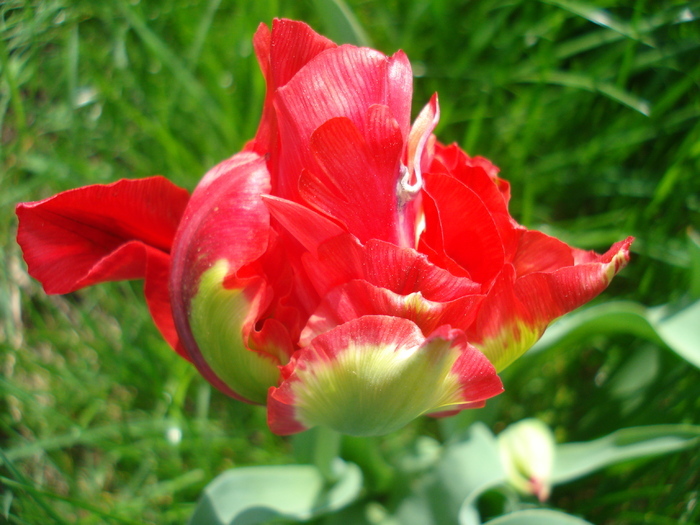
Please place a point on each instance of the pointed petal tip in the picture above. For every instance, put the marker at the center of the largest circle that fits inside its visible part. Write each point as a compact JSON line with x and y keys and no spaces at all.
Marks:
{"x":616,"y":258}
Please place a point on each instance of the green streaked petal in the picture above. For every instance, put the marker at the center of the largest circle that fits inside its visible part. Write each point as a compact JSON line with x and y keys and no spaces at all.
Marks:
{"x":217,"y":319}
{"x":375,"y":385}
{"x":509,"y":343}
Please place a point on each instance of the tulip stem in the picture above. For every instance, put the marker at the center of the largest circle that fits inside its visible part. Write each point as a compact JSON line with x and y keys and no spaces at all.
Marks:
{"x":319,"y":446}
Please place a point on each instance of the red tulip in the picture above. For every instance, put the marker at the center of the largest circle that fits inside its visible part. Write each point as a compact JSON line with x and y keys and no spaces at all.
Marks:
{"x":346,"y":269}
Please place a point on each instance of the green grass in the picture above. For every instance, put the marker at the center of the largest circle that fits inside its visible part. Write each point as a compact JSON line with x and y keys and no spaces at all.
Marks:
{"x":591,"y":109}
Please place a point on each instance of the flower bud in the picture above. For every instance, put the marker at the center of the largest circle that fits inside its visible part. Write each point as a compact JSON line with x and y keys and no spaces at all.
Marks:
{"x":527,"y":453}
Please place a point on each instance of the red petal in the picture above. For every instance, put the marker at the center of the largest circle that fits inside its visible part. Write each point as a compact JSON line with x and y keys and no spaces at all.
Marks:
{"x":469,"y":234}
{"x":479,"y":175}
{"x":373,"y":374}
{"x":453,"y":160}
{"x":106,"y":233}
{"x":225,"y":219}
{"x":281,"y":53}
{"x":345,"y":82}
{"x":281,"y":412}
{"x":341,"y":82}
{"x":354,"y":173}
{"x":305,"y":225}
{"x":517,"y":310}
{"x":538,"y":252}
{"x":478,"y":377}
{"x":357,"y":298}
{"x":549,"y":295}
{"x":293,"y":44}
{"x":399,"y":90}
{"x":401,"y":270}
{"x":158,"y":298}
{"x":504,"y":328}
{"x":272,"y":338}
{"x":80,"y":237}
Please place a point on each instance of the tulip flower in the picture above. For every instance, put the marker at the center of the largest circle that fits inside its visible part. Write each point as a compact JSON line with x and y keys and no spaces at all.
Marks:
{"x":346,"y":269}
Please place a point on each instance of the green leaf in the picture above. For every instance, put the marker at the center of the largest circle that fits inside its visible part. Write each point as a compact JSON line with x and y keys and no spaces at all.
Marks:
{"x":681,"y":331}
{"x":575,"y":460}
{"x":472,"y":466}
{"x":678,"y":331}
{"x":466,"y":469}
{"x":537,"y":517}
{"x":694,"y":250}
{"x":251,"y":495}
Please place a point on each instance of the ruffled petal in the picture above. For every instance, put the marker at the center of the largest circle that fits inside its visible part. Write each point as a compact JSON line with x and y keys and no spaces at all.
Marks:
{"x":401,"y":270}
{"x":374,"y":374}
{"x":453,"y":161}
{"x":106,"y":233}
{"x":341,"y":82}
{"x":504,"y":328}
{"x":220,"y":321}
{"x":354,"y":172}
{"x":358,"y":298}
{"x":549,"y":295}
{"x":517,"y":310}
{"x":78,"y":238}
{"x":281,"y":52}
{"x":538,"y":252}
{"x":158,"y":298}
{"x":463,"y":228}
{"x":307,"y":226}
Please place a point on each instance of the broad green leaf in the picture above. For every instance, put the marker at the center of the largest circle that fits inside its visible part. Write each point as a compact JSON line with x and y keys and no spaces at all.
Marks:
{"x":361,"y":513}
{"x":678,"y":331}
{"x":251,"y":495}
{"x":537,"y":517}
{"x":613,"y":317}
{"x":634,"y":375}
{"x":575,"y":460}
{"x":466,"y":469}
{"x":681,"y":331}
{"x":416,"y":508}
{"x":470,"y":467}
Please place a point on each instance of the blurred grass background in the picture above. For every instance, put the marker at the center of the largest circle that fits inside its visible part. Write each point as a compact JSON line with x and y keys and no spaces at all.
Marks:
{"x":591,"y":109}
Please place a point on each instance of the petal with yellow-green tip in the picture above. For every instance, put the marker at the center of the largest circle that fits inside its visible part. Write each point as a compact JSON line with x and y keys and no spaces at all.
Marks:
{"x":220,"y":318}
{"x":373,"y":375}
{"x":519,"y":307}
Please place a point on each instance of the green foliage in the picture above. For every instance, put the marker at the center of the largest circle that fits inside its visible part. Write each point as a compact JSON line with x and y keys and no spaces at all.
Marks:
{"x":574,"y":460}
{"x":678,"y":330}
{"x":537,"y":517}
{"x":251,"y":495}
{"x":589,"y":108}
